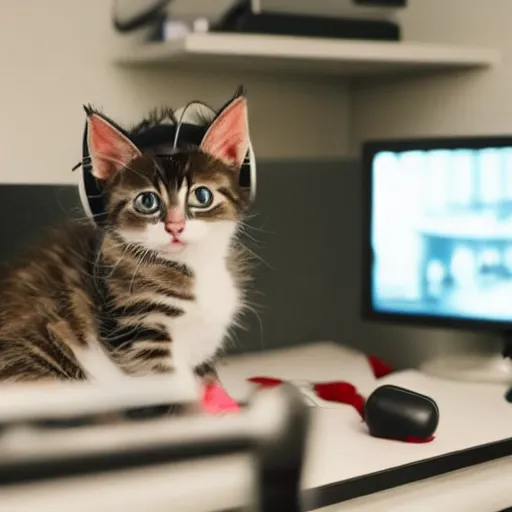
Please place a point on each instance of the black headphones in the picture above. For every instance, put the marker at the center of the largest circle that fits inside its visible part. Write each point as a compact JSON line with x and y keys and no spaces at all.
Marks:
{"x":193,"y":123}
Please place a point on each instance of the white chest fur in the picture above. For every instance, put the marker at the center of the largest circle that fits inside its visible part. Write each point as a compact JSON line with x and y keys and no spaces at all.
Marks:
{"x":200,"y":332}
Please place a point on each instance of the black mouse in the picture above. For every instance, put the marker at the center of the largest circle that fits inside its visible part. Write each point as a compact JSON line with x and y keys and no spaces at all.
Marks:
{"x":398,"y":413}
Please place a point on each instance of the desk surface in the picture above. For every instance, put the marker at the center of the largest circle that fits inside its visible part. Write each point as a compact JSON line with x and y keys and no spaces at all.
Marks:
{"x":340,"y":449}
{"x":341,"y":456}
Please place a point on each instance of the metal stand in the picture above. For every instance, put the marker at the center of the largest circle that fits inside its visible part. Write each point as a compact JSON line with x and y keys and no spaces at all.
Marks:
{"x":484,"y":368}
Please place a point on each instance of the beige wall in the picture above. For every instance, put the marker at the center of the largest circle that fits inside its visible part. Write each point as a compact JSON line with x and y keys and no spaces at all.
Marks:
{"x":55,"y":56}
{"x":447,"y":104}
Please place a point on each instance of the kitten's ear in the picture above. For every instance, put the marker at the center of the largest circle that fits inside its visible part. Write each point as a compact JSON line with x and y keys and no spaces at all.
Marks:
{"x":109,"y":149}
{"x":227,"y":137}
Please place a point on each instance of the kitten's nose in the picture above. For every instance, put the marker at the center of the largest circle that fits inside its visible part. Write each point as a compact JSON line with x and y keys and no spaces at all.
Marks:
{"x":175,"y":222}
{"x":175,"y":229}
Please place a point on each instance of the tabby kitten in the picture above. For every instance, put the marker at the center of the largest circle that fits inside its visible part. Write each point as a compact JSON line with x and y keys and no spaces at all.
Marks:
{"x":153,"y":290}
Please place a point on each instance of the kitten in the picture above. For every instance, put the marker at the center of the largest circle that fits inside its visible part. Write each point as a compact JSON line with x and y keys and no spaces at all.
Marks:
{"x":158,"y":286}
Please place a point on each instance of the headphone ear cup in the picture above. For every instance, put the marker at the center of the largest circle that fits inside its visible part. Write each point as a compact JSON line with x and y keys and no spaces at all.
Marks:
{"x":89,"y":189}
{"x":84,"y":200}
{"x":248,"y":173}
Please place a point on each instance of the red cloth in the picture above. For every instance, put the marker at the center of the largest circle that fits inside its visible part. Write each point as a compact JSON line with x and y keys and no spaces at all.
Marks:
{"x":379,"y":367}
{"x":265,"y":382}
{"x":341,"y":392}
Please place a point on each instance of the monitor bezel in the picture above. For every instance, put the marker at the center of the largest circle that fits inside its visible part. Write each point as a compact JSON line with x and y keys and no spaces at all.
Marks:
{"x":369,"y":150}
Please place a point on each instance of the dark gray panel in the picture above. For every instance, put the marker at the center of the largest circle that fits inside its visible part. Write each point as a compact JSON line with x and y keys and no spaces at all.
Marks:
{"x":307,"y":226}
{"x":28,"y":211}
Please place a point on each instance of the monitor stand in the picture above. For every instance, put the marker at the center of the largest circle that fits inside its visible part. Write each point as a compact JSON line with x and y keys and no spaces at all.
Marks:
{"x":490,"y":368}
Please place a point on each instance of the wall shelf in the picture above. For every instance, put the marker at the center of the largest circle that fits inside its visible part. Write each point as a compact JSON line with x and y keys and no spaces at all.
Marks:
{"x":298,"y":54}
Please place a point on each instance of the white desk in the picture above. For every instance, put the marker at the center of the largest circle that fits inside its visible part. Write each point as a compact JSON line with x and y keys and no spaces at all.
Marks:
{"x":340,"y":448}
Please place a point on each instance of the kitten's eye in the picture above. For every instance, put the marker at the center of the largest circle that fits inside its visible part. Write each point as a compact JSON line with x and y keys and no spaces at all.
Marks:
{"x":201,"y":197}
{"x":147,"y":203}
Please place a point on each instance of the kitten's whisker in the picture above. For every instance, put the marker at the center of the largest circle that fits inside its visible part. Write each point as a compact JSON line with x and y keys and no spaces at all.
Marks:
{"x":121,"y":336}
{"x":113,"y":267}
{"x":130,"y":288}
{"x":255,"y":228}
{"x":86,"y":218}
{"x":259,"y":258}
{"x":242,"y":229}
{"x":121,"y":347}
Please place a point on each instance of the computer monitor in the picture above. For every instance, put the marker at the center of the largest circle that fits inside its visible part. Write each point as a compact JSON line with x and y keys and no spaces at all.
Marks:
{"x":438,"y":233}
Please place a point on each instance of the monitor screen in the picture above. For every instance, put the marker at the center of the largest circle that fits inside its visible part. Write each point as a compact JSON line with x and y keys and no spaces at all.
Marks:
{"x":439,"y":241}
